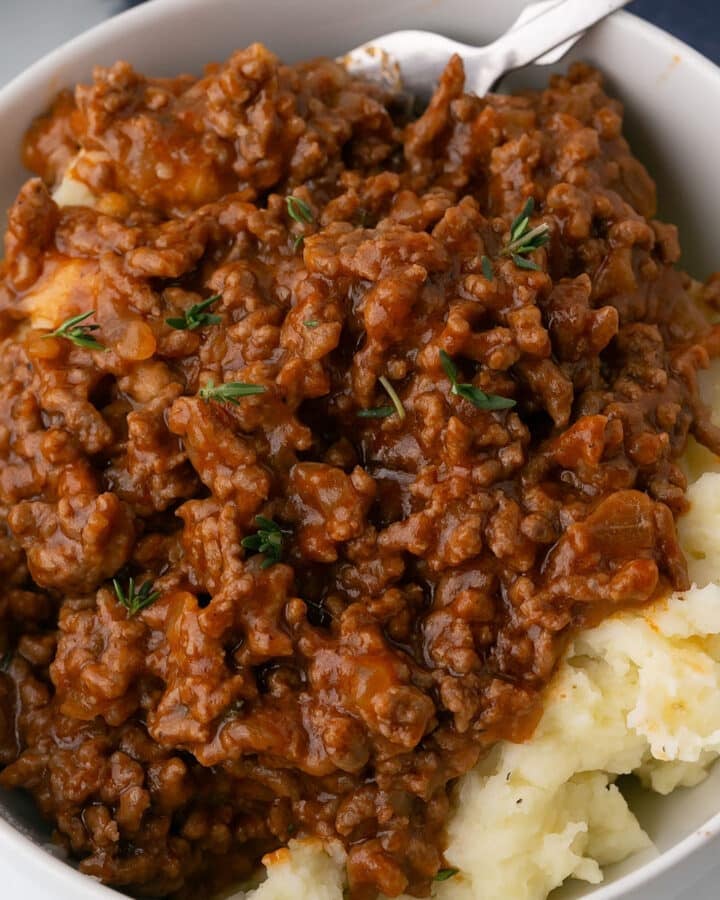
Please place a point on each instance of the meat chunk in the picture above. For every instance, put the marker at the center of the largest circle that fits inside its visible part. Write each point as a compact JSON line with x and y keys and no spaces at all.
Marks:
{"x":74,"y":544}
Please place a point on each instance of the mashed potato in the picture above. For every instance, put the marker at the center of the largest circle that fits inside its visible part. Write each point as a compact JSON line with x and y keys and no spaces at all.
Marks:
{"x":638,"y":694}
{"x":72,"y":191}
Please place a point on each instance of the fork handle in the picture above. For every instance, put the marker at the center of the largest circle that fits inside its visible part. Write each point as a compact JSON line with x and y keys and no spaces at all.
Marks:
{"x":546,"y":31}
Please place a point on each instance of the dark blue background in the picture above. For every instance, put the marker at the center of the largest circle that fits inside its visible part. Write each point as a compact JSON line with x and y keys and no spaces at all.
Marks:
{"x":697,"y":22}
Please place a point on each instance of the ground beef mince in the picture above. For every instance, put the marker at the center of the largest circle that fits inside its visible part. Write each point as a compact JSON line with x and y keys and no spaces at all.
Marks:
{"x":288,"y":563}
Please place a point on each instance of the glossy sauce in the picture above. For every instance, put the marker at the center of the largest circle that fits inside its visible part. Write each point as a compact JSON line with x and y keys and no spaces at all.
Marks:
{"x":433,"y":567}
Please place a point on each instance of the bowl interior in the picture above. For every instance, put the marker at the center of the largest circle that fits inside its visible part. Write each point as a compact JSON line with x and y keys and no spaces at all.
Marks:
{"x":670,"y":93}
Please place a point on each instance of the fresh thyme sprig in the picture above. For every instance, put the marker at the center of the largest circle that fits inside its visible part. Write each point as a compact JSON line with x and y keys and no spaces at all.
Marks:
{"x":444,"y":874}
{"x":381,"y":412}
{"x":469,"y":392}
{"x":268,"y":539}
{"x":134,"y":600}
{"x":80,"y":335}
{"x":524,"y":240}
{"x":196,"y":317}
{"x":230,"y":392}
{"x":299,"y":210}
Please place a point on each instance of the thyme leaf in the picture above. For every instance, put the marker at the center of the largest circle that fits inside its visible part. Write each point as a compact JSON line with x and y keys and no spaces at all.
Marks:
{"x":268,"y":539}
{"x":230,"y":392}
{"x":523,"y":263}
{"x":80,"y":335}
{"x":377,"y":412}
{"x":444,"y":874}
{"x":524,"y":240}
{"x":196,"y":317}
{"x":392,"y":393}
{"x":469,"y":392}
{"x":449,"y":367}
{"x":299,"y":210}
{"x":135,"y":599}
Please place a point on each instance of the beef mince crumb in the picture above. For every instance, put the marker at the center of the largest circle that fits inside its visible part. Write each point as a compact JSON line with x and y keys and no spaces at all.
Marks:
{"x":297,"y":520}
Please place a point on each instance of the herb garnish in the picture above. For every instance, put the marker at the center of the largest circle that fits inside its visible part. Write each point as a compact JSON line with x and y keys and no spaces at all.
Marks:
{"x":268,"y":539}
{"x":469,"y":392}
{"x":487,"y":268}
{"x":135,"y":600}
{"x":196,"y":317}
{"x":229,"y":392}
{"x":392,"y":393}
{"x":523,"y":241}
{"x":381,"y":412}
{"x":299,"y":210}
{"x":376,"y":412}
{"x":313,"y":323}
{"x":444,"y":874}
{"x":80,"y":335}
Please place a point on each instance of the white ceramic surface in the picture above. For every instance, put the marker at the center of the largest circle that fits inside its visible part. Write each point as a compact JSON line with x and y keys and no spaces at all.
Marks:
{"x":672,"y":96}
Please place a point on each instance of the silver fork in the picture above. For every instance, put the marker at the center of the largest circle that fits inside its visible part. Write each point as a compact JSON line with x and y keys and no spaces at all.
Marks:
{"x":414,"y":60}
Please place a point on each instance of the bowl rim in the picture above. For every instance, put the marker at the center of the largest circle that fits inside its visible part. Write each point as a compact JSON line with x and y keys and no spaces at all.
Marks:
{"x":36,"y":77}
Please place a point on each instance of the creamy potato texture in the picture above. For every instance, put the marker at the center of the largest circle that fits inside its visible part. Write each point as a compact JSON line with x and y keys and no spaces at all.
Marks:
{"x":639,"y":694}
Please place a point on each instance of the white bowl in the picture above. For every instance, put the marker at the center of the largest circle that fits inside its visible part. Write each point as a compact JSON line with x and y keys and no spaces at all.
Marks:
{"x":671,"y":94}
